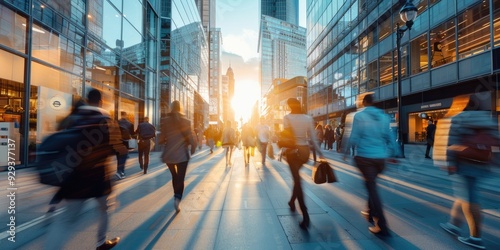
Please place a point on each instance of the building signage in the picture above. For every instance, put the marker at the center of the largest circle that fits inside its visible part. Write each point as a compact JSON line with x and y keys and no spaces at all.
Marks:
{"x":432,"y":105}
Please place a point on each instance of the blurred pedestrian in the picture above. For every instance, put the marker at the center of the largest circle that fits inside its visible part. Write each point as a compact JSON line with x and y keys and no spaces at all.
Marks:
{"x":338,"y":136}
{"x":90,"y":179}
{"x":263,"y":135}
{"x":466,"y":174}
{"x":329,"y":137}
{"x":127,"y":134}
{"x":320,"y":134}
{"x":177,"y":137}
{"x":66,"y":123}
{"x":210,"y":135}
{"x":302,"y":126}
{"x":146,"y":132}
{"x":430,"y":131}
{"x":374,"y":143}
{"x":228,"y":141}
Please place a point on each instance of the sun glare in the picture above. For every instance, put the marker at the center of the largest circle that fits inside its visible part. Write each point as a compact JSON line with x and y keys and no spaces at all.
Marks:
{"x":246,"y":93}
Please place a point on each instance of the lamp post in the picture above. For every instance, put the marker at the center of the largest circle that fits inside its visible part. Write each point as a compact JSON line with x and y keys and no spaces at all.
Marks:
{"x":408,"y":13}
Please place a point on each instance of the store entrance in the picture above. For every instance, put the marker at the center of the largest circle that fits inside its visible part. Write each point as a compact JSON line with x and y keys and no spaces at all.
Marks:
{"x":418,"y":122}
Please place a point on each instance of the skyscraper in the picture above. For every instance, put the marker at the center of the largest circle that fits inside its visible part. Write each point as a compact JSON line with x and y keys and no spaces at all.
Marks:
{"x":286,"y":10}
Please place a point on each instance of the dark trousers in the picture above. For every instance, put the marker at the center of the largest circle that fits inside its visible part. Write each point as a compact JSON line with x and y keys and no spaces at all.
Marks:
{"x":121,"y":160}
{"x":178,"y":171}
{"x":370,"y":168}
{"x":295,"y":163}
{"x":429,"y":146}
{"x":144,"y":147}
{"x":263,"y":151}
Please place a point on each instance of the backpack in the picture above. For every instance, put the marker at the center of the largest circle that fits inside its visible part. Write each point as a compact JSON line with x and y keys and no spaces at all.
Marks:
{"x":60,"y":153}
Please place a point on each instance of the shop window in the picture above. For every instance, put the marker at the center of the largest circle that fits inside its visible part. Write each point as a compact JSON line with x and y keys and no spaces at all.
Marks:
{"x":12,"y":29}
{"x":386,"y":68}
{"x":496,"y":22}
{"x":443,"y":44}
{"x":474,"y":30}
{"x":419,"y":58}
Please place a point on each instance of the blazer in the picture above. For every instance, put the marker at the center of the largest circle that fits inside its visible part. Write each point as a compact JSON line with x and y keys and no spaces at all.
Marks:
{"x":176,"y":136}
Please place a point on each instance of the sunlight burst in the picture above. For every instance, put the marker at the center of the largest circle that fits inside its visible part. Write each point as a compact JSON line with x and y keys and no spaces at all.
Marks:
{"x":246,"y":94}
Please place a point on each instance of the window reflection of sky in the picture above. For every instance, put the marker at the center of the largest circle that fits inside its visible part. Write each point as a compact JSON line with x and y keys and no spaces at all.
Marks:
{"x":112,"y":23}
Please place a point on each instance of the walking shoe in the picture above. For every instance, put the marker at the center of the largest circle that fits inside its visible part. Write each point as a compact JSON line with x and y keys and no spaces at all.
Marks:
{"x":177,"y":205}
{"x":377,"y":230}
{"x":452,"y":229}
{"x":367,"y":216}
{"x":122,"y":175}
{"x":477,"y":242}
{"x":119,"y":176}
{"x":108,"y":244}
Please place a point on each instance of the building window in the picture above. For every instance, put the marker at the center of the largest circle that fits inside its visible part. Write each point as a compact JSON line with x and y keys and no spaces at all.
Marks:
{"x":419,"y":58}
{"x":442,"y":42}
{"x":12,"y":29}
{"x":496,"y":22}
{"x":386,"y":68}
{"x":474,"y":30}
{"x":371,"y":70}
{"x":385,"y":27}
{"x":404,"y":62}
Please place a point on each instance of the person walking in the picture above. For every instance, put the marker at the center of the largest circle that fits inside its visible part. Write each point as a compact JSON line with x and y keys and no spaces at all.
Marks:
{"x":329,"y":137}
{"x":127,"y":134}
{"x":145,"y":133}
{"x":178,"y":140}
{"x":263,"y":135}
{"x":373,"y":142}
{"x":90,"y":179}
{"x":303,"y":129}
{"x":430,"y":131}
{"x":466,"y":175}
{"x":228,"y":141}
{"x":338,"y":137}
{"x":210,"y":136}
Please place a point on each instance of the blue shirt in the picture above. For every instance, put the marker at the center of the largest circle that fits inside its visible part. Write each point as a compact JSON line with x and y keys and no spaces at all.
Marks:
{"x":371,"y":134}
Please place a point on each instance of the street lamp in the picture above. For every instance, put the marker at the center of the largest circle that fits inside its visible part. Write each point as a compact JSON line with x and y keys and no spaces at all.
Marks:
{"x":408,"y":13}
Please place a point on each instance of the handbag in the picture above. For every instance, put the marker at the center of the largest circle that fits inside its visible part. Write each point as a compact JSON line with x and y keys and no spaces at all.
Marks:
{"x":323,"y":173}
{"x":474,"y":148}
{"x":286,"y":139}
{"x":132,"y":144}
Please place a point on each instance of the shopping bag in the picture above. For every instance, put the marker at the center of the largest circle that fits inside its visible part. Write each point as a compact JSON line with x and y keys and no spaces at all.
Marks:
{"x":132,"y":144}
{"x":323,"y":173}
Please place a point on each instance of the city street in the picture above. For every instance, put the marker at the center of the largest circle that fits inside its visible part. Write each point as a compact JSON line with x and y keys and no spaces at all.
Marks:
{"x":240,"y":207}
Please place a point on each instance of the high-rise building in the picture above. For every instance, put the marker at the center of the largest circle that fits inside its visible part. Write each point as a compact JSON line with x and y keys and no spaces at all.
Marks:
{"x":184,"y":60}
{"x":286,"y":10}
{"x":282,"y":47}
{"x":452,"y":49}
{"x":215,"y":92}
{"x":228,"y":94}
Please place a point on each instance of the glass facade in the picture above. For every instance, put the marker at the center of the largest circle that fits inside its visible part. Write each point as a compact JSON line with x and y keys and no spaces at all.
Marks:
{"x":286,"y":10}
{"x":352,"y":49}
{"x":283,"y":51}
{"x":66,"y":48}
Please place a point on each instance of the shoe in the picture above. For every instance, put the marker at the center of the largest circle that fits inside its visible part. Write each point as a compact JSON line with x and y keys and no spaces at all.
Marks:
{"x":452,"y":229}
{"x":477,"y":243}
{"x":51,"y":209}
{"x":305,"y":222}
{"x":109,"y":244}
{"x":119,"y":176}
{"x":367,"y":216}
{"x":292,"y":206}
{"x":177,"y":203}
{"x":123,"y":175}
{"x":377,"y":230}
{"x":428,"y":157}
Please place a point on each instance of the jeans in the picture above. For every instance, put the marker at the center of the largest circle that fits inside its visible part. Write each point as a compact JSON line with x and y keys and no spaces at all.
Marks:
{"x":370,"y":168}
{"x":121,"y":160}
{"x":263,"y":151}
{"x":178,"y":171}
{"x":295,"y":163}
{"x":64,"y":226}
{"x":143,"y":148}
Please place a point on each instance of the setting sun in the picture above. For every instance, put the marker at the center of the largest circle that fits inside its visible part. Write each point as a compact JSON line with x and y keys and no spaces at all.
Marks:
{"x":246,"y":93}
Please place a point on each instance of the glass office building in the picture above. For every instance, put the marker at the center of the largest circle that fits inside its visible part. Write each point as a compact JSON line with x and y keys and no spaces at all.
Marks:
{"x":286,"y":10}
{"x":452,"y":49}
{"x":141,"y":54}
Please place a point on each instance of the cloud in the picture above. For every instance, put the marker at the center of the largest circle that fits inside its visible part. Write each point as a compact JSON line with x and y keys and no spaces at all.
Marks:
{"x":244,"y":44}
{"x":243,"y":70}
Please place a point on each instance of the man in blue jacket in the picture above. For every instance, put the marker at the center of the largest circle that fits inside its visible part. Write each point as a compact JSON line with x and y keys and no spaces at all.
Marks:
{"x":374,"y":143}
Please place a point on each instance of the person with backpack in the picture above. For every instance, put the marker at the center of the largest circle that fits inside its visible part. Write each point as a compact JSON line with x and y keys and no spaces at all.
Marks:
{"x":145,"y":133}
{"x":472,"y":132}
{"x":127,"y":133}
{"x":90,"y":178}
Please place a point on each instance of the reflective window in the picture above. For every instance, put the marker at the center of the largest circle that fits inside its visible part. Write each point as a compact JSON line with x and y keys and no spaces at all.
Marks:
{"x":442,"y":42}
{"x":133,"y":11}
{"x":385,"y":28}
{"x":496,"y":22}
{"x":474,"y":30}
{"x":372,"y":70}
{"x":72,"y":9}
{"x":404,"y":62}
{"x":421,"y":5}
{"x":419,"y":58}
{"x":12,"y":29}
{"x":386,"y":68}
